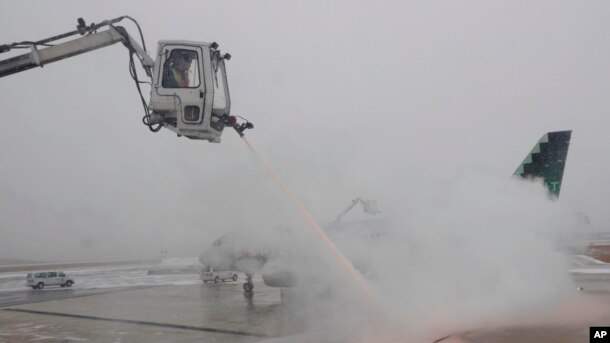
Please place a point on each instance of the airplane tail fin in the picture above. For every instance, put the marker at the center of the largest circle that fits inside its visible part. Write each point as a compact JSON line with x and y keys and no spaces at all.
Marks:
{"x":547,"y":160}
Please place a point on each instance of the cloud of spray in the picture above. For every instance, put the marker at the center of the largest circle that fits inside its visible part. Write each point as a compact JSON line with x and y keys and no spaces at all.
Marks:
{"x":477,"y":252}
{"x":473,"y":253}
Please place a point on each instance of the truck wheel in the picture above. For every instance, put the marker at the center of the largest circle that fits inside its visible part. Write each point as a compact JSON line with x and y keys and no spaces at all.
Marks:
{"x":234,"y":277}
{"x":216,"y":279}
{"x":69,"y":283}
{"x":40,"y":285}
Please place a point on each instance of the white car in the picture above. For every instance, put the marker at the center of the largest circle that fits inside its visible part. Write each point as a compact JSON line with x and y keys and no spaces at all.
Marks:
{"x":39,"y":280}
{"x":209,"y":275}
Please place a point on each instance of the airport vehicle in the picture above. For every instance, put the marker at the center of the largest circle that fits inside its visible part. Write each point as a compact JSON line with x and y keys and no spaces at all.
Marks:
{"x":39,"y":280}
{"x":209,"y":274}
{"x":189,"y":89}
{"x":368,"y":206}
{"x":238,"y":251}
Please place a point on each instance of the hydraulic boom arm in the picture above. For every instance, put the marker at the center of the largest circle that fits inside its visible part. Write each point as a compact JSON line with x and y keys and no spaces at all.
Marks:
{"x":92,"y":41}
{"x":369,"y":206}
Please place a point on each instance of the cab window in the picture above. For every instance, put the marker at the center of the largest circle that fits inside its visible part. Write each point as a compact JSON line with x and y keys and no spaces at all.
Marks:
{"x":181,"y":70}
{"x":220,"y":96}
{"x":62,"y":274}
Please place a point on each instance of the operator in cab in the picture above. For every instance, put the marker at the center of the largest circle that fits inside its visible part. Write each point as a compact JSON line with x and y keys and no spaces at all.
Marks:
{"x":176,"y":70}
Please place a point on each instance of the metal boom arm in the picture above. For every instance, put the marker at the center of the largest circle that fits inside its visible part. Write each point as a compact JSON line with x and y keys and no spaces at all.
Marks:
{"x":369,"y":206}
{"x":40,"y":57}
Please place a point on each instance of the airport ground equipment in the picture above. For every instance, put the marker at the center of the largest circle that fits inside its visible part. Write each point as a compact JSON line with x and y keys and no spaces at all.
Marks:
{"x":189,"y":90}
{"x":369,"y":206}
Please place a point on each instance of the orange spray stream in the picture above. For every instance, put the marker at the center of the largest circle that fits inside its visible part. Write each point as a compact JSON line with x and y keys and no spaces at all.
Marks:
{"x":357,"y":278}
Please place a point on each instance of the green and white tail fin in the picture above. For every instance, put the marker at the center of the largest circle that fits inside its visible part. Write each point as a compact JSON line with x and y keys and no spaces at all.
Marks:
{"x":547,"y":160}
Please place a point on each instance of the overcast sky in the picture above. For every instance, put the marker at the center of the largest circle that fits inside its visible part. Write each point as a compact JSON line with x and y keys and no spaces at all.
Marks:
{"x":348,"y":99}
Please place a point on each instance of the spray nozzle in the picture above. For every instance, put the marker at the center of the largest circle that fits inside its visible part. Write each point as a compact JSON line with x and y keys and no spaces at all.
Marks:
{"x":240,"y":128}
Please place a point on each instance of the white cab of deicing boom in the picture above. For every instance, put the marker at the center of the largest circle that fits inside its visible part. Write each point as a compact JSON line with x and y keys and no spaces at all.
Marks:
{"x":190,"y":94}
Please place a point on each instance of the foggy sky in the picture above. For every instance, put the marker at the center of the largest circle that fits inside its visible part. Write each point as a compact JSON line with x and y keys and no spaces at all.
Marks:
{"x":348,"y":99}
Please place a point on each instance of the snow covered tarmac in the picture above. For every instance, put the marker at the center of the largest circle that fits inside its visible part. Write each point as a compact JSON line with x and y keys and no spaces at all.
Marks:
{"x":103,"y":278}
{"x":125,"y":304}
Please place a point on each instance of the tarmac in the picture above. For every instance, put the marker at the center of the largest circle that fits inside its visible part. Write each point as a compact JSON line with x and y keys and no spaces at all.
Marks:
{"x":224,"y":313}
{"x":214,"y":312}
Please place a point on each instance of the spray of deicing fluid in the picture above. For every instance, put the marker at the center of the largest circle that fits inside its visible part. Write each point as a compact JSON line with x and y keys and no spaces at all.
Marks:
{"x":386,"y":329}
{"x":345,"y":264}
